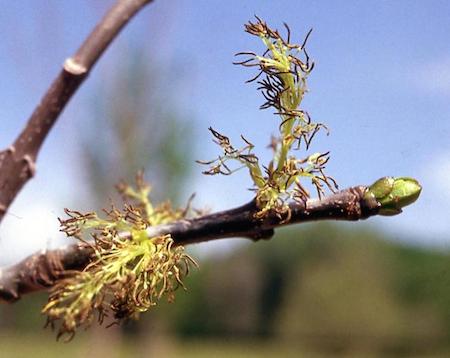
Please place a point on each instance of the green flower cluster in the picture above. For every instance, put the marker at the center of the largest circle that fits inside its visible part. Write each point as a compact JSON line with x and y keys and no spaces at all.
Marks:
{"x":129,"y":271}
{"x":282,"y":79}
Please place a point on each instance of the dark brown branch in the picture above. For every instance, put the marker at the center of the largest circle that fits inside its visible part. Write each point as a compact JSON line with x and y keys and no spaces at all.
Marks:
{"x":17,"y":163}
{"x":42,"y":270}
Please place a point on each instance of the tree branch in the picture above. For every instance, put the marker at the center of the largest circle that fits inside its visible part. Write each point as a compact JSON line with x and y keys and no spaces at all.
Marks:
{"x":17,"y":163}
{"x":41,"y":270}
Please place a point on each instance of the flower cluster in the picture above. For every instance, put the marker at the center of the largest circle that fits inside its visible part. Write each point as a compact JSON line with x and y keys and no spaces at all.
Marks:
{"x":129,"y":271}
{"x":282,"y":79}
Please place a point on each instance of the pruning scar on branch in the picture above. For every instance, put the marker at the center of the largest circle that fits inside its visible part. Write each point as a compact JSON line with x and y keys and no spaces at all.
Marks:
{"x":17,"y":162}
{"x":131,"y":263}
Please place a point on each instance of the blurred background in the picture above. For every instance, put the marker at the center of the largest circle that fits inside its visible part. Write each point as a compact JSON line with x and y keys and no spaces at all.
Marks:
{"x":382,"y":85}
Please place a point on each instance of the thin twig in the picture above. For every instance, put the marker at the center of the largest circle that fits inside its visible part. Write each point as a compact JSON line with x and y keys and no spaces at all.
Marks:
{"x":41,"y":271}
{"x":17,"y":163}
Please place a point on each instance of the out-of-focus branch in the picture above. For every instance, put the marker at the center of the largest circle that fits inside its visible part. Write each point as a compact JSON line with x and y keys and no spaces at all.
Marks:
{"x":43,"y":269}
{"x":17,"y":163}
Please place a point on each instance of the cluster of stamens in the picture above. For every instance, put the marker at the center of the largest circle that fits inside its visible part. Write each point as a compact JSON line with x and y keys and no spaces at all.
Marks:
{"x":282,"y":80}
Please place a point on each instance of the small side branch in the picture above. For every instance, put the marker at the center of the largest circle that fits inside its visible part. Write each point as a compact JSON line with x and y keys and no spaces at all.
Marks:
{"x":41,"y":271}
{"x":17,"y":163}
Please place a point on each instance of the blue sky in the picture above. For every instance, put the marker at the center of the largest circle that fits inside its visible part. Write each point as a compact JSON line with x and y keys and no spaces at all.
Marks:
{"x":381,"y":83}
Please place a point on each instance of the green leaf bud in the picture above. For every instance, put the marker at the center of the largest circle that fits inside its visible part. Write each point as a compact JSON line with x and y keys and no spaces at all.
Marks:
{"x":393,"y":194}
